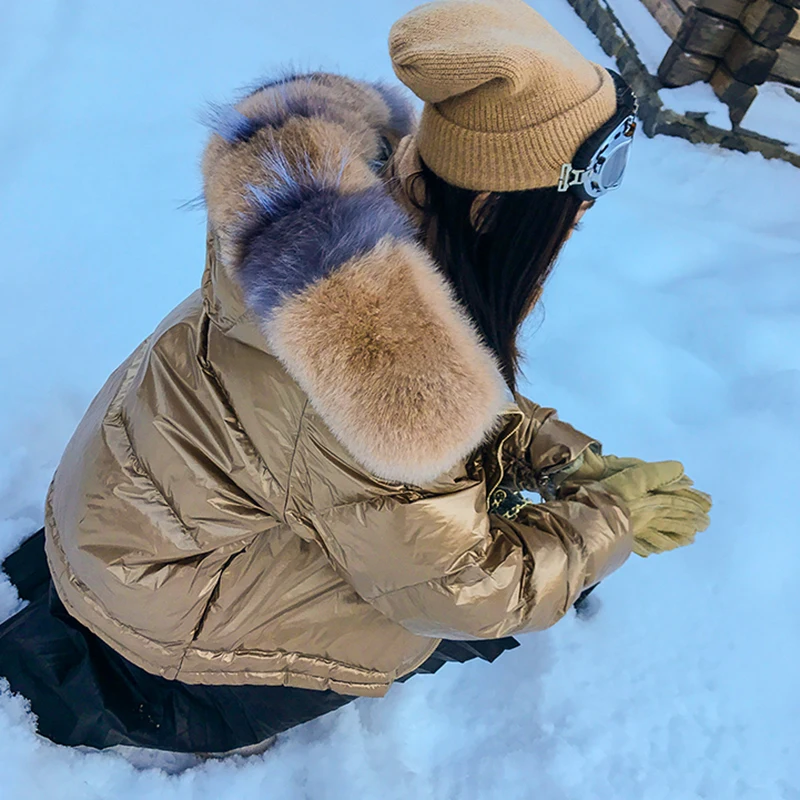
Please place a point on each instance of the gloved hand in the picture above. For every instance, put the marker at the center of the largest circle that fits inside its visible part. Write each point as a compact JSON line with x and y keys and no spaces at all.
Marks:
{"x":666,"y":512}
{"x":595,"y":468}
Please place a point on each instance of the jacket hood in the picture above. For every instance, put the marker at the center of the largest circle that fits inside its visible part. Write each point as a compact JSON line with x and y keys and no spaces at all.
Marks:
{"x":315,"y":261}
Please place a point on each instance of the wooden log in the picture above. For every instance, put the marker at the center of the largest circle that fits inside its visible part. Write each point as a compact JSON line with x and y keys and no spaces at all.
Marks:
{"x":705,"y":34}
{"x":731,"y":9}
{"x":736,"y":95}
{"x":666,"y":14}
{"x":768,"y":23}
{"x":748,"y":61}
{"x":680,"y":68}
{"x":787,"y":67}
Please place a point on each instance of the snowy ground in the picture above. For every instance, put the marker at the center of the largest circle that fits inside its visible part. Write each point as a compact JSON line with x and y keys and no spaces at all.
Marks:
{"x":671,"y":330}
{"x":776,"y":113}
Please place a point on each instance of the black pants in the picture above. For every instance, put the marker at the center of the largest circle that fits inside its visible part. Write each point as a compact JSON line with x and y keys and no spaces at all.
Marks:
{"x":84,"y":692}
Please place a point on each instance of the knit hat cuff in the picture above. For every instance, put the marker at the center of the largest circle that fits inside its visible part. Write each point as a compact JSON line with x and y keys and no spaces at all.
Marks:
{"x":507,"y":161}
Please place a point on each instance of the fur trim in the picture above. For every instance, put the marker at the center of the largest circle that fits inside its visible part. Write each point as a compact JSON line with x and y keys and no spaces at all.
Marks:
{"x":391,"y":363}
{"x":305,"y":230}
{"x":328,"y":263}
{"x":402,"y":118}
{"x":319,"y":122}
{"x":229,"y":123}
{"x":381,"y":106}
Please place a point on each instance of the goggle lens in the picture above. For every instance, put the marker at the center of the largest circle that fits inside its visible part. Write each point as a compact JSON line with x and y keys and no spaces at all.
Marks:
{"x":614,"y":167}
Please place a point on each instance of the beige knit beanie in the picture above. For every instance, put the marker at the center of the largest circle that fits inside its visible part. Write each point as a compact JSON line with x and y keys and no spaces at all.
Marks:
{"x":508,"y":100}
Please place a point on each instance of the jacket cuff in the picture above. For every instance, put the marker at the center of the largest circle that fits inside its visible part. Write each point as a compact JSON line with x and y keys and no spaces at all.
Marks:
{"x":555,"y":453}
{"x":545,"y":450}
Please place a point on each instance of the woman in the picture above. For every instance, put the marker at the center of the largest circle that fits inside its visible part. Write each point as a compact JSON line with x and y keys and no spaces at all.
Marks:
{"x":304,"y":485}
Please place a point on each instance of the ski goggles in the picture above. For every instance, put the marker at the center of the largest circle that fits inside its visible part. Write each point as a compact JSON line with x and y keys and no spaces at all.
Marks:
{"x":600,"y":162}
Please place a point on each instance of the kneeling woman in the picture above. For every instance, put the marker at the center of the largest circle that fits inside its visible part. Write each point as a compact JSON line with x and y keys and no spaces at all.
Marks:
{"x":304,"y":485}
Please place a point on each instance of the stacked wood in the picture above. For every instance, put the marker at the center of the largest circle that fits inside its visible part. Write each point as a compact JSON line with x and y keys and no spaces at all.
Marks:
{"x":736,"y":45}
{"x":748,"y":61}
{"x":752,"y":54}
{"x":702,"y":39}
{"x":729,"y":9}
{"x":738,"y":96}
{"x":787,"y":67}
{"x":679,"y":68}
{"x":705,"y":34}
{"x":768,"y":23}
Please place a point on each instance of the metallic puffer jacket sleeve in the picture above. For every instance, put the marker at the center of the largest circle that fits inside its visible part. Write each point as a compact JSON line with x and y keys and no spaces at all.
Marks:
{"x":539,"y":451}
{"x":443,"y":566}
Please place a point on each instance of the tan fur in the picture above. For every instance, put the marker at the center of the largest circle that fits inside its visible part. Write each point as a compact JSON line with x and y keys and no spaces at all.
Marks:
{"x":386,"y":355}
{"x":332,"y":152}
{"x":391,"y":363}
{"x":358,"y":96}
{"x":359,"y":110}
{"x":230,"y":169}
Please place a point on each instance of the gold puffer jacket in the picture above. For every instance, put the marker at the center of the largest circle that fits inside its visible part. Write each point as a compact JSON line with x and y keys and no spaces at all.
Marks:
{"x":287,"y":482}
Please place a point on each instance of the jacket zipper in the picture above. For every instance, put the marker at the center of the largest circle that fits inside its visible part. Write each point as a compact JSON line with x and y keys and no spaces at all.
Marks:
{"x":544,"y":478}
{"x":499,"y":449}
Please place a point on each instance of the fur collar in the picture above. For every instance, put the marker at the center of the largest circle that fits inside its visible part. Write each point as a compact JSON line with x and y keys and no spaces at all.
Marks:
{"x":329,"y":265}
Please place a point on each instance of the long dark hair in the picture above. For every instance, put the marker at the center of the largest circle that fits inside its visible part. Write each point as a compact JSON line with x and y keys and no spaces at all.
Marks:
{"x":499,"y":260}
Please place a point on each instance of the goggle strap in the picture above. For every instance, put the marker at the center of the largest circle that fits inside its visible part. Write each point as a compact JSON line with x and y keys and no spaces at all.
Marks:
{"x":570,"y":177}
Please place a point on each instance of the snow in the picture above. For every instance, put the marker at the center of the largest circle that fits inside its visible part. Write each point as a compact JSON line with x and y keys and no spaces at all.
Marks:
{"x":651,"y":41}
{"x":700,"y":98}
{"x":775,"y":113}
{"x":669,"y":331}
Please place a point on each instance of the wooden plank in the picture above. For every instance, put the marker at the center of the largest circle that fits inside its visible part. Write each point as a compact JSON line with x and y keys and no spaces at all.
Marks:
{"x":680,"y":68}
{"x":667,"y":15}
{"x":736,"y":95}
{"x":706,"y":34}
{"x":731,"y":9}
{"x":768,"y":23}
{"x":787,"y":67}
{"x":664,"y":10}
{"x":748,"y":61}
{"x":794,"y":33}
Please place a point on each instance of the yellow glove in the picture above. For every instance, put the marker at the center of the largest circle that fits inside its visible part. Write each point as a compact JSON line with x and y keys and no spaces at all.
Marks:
{"x":665,"y":511}
{"x":595,"y":468}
